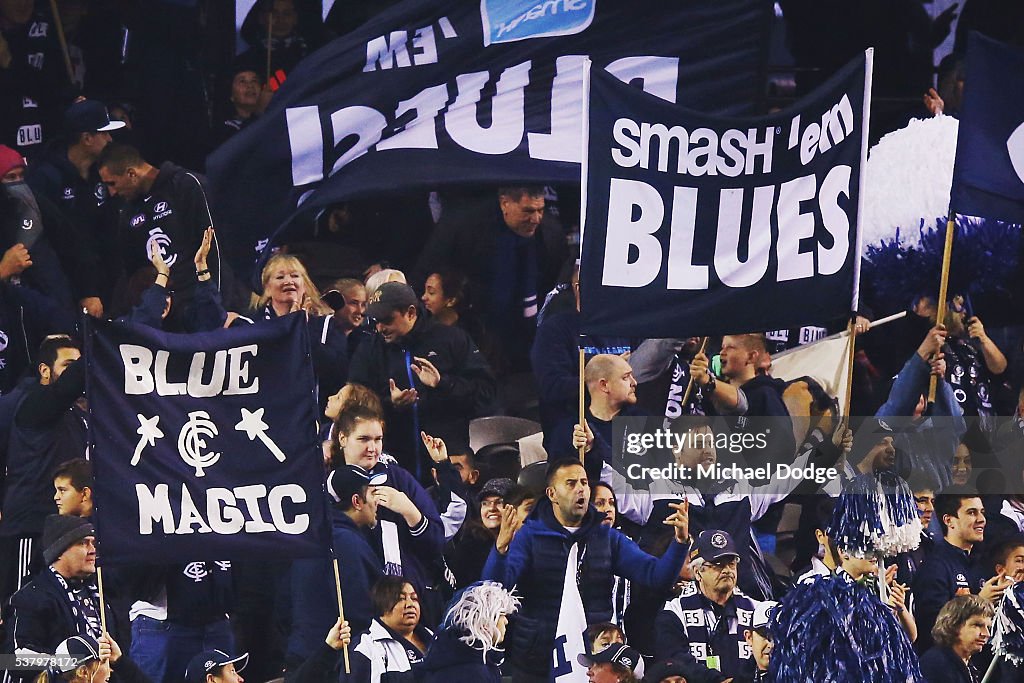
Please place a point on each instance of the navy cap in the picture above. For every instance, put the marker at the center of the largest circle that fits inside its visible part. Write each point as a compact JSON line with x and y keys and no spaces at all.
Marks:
{"x":73,"y":653}
{"x":713,"y":545}
{"x":89,"y":116}
{"x":615,"y":653}
{"x":205,"y":662}
{"x":345,"y":482}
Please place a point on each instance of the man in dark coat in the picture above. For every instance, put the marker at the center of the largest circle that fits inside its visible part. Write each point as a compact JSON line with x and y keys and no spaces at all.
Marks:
{"x":430,"y":377}
{"x":511,"y":252}
{"x":63,"y":600}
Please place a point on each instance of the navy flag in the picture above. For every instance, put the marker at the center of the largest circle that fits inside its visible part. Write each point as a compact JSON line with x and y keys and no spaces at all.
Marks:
{"x":205,"y":445}
{"x":988,"y":178}
{"x":721,"y":225}
{"x":435,"y":92}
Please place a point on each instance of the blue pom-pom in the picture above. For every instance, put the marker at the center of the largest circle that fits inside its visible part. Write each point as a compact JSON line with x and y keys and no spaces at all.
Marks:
{"x":832,"y":630}
{"x":876,"y":514}
{"x":1008,"y":634}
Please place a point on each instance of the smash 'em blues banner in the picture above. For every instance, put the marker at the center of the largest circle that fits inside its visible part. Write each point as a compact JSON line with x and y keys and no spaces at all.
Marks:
{"x":719,"y":224}
{"x":204,"y":445}
{"x":437,"y":92}
{"x":988,"y":178}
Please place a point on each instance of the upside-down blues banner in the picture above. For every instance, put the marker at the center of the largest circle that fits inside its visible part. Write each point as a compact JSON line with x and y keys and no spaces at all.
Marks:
{"x":721,"y":225}
{"x":435,"y":92}
{"x":988,"y":177}
{"x":204,"y":445}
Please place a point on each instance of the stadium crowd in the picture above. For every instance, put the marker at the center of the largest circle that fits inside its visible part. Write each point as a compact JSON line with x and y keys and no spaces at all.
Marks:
{"x":461,"y":482}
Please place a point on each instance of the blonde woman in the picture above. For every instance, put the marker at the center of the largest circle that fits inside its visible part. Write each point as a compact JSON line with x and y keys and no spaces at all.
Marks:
{"x":287,"y":289}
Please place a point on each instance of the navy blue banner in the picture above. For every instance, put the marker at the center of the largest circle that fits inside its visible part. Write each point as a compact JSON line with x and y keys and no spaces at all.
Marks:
{"x":988,"y":178}
{"x":204,"y":445}
{"x":721,"y":225}
{"x":436,"y":92}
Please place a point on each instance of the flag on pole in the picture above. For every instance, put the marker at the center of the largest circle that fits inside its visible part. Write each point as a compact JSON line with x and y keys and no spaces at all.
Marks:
{"x":825,"y":361}
{"x":988,"y":178}
{"x":572,"y":623}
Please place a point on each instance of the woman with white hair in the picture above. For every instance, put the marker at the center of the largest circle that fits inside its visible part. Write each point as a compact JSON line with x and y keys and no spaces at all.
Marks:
{"x":468,"y":645}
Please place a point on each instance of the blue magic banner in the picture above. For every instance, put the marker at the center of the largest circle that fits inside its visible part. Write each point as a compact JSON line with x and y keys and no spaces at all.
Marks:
{"x":717,"y":224}
{"x":988,"y":177}
{"x":204,"y":446}
{"x":436,"y":92}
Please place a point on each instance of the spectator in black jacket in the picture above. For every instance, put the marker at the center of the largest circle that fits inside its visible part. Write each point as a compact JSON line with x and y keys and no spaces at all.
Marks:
{"x":49,"y":427}
{"x":67,"y":177}
{"x":35,"y":224}
{"x":431,"y":377}
{"x":961,"y":630}
{"x":511,"y":253}
{"x":163,"y":206}
{"x":63,"y":600}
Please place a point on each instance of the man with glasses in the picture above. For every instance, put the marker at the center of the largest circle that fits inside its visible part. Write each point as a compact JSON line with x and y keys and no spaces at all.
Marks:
{"x":704,"y":627}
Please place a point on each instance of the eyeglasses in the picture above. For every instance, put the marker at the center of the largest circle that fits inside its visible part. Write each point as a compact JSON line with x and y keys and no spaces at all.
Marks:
{"x":724,"y":564}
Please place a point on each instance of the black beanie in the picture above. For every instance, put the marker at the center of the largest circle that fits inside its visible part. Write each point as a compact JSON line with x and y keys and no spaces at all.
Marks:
{"x":60,"y":532}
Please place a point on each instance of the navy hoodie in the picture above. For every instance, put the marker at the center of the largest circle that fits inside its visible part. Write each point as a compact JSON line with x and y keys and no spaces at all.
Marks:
{"x":312,"y":580}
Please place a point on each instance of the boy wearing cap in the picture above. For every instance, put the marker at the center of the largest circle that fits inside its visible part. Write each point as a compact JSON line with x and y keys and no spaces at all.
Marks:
{"x":430,"y":377}
{"x":353,"y":514}
{"x":704,"y":627}
{"x":63,"y":600}
{"x":216,"y":666}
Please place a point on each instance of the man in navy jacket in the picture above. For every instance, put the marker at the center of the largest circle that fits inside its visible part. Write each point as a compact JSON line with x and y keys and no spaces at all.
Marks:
{"x":535,"y":561}
{"x":950,"y":570}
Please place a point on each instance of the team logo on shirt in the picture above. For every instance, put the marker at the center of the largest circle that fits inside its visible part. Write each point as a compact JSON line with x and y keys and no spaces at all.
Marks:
{"x":38,"y":29}
{"x":159,"y":238}
{"x":27,"y":224}
{"x":69,"y":193}
{"x":3,"y":340}
{"x":161,"y":210}
{"x":137,"y":220}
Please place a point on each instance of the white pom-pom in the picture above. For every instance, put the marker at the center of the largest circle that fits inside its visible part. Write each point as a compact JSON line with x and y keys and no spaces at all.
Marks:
{"x":908,"y":178}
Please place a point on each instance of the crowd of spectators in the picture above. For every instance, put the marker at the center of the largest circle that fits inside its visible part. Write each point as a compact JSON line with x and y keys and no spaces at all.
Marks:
{"x":425,"y":313}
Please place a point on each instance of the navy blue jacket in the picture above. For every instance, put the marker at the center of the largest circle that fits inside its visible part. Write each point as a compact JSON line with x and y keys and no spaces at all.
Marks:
{"x":945,"y":573}
{"x":942,"y":665}
{"x":48,"y":429}
{"x":420,"y":547}
{"x":449,"y":659}
{"x":535,"y":565}
{"x":313,"y":580}
{"x":42,"y":616}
